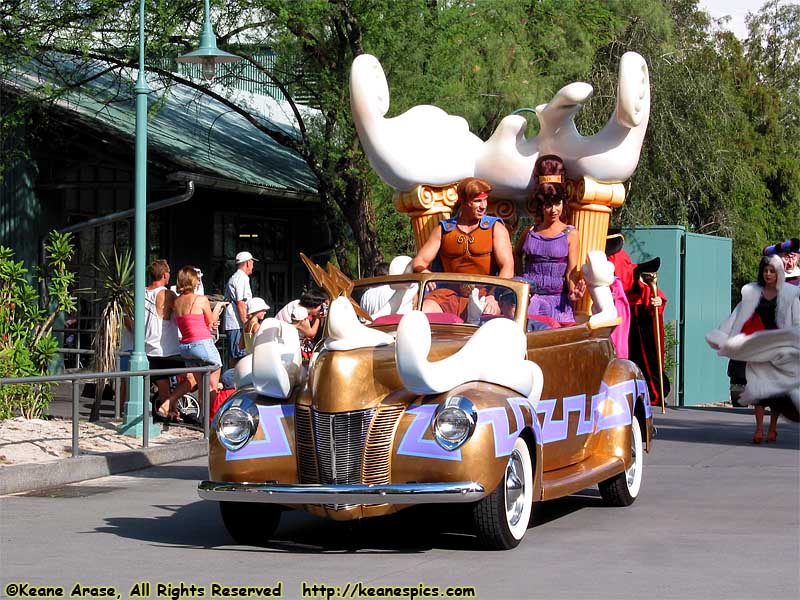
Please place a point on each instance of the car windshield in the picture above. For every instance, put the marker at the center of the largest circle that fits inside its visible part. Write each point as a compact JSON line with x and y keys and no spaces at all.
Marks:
{"x":444,"y":300}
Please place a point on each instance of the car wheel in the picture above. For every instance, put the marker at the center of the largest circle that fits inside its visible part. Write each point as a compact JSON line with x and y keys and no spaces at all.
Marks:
{"x":502,"y":517}
{"x":250,"y":523}
{"x":188,"y":406}
{"x":622,"y":489}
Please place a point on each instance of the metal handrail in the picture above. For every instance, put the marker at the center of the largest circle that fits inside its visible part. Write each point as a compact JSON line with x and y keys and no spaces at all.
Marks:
{"x":75,"y":378}
{"x":74,"y":351}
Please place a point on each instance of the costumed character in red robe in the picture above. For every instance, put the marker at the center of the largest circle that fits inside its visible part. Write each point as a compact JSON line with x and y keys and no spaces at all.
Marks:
{"x":643,"y":348}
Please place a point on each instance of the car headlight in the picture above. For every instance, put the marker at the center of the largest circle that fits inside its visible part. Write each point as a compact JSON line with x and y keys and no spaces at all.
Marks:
{"x":237,"y":421}
{"x":454,"y":422}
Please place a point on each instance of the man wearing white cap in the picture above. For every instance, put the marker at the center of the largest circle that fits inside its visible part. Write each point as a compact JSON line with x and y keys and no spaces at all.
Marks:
{"x":237,"y":292}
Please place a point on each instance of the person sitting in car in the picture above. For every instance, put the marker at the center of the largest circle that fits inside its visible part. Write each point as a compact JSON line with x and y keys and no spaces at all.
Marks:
{"x":471,"y":242}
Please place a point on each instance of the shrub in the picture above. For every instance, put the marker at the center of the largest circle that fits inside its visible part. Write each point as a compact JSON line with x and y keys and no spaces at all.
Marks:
{"x":27,"y":345}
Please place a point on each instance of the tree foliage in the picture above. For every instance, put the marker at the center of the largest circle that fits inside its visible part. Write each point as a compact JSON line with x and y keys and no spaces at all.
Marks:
{"x":719,"y":157}
{"x":27,"y":345}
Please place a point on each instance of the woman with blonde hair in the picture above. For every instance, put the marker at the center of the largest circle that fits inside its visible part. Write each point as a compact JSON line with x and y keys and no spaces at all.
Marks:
{"x":196,"y":321}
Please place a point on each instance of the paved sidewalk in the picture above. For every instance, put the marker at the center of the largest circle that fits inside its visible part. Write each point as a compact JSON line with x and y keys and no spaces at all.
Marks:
{"x":92,"y":463}
{"x":717,"y":518}
{"x":37,"y":476}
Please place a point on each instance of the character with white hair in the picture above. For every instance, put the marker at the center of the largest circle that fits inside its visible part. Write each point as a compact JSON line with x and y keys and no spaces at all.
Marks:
{"x":764,"y":331}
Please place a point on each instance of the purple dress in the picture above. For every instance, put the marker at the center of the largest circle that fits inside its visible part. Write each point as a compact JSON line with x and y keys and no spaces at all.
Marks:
{"x":545,"y":267}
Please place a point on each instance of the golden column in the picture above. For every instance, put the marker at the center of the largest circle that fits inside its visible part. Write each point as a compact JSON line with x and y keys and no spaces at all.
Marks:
{"x":590,"y":204}
{"x":426,"y":205}
{"x":505,"y":209}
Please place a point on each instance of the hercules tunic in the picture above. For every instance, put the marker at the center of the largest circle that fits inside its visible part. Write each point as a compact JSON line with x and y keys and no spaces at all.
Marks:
{"x":469,"y":253}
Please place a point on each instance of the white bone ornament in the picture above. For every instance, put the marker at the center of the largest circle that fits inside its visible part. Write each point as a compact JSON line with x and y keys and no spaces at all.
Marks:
{"x":475,"y":306}
{"x":346,"y":332}
{"x":276,"y":358}
{"x":425,"y":145}
{"x":402,"y":300}
{"x":243,"y":372}
{"x":495,"y":354}
{"x":598,"y":272}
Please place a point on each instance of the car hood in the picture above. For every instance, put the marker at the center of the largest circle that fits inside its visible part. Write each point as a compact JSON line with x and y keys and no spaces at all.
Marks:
{"x":348,"y":380}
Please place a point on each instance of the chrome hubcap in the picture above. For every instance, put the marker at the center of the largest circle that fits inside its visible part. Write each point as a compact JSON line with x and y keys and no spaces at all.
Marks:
{"x":515,"y":488}
{"x":631,"y":473}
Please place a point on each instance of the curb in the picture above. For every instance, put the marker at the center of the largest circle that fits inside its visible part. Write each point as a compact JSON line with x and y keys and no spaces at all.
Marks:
{"x":37,"y":476}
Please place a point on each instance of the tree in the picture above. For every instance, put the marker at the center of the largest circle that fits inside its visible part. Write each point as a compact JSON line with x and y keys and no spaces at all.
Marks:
{"x":480,"y":60}
{"x":719,"y":157}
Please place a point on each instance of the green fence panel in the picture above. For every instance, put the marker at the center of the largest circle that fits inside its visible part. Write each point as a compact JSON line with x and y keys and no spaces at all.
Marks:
{"x":707,"y":301}
{"x":695,"y":276}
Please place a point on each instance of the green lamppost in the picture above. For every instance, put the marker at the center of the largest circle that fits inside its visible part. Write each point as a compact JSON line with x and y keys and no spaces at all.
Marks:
{"x":208,"y":55}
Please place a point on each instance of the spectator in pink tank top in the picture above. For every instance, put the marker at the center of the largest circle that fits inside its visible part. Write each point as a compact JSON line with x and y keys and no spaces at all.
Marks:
{"x":196,"y":321}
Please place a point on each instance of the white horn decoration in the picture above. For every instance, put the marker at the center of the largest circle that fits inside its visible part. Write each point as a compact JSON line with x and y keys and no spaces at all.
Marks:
{"x":611,"y":155}
{"x":495,"y":354}
{"x":276,"y":358}
{"x":346,"y":332}
{"x":598,"y":272}
{"x":425,"y":145}
{"x":422,"y":145}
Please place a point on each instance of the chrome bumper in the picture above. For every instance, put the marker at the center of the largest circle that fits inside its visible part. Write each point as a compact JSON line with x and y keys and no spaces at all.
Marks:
{"x":308,"y":493}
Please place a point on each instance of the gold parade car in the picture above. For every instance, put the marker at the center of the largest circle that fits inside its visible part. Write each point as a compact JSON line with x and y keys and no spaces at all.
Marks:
{"x":399,"y":407}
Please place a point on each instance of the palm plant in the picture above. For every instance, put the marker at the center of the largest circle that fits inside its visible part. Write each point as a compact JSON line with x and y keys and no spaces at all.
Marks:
{"x":115,"y":292}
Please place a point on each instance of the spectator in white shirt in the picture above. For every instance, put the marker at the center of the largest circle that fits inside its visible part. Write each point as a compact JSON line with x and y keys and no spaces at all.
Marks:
{"x":375,"y":297}
{"x":237,"y":292}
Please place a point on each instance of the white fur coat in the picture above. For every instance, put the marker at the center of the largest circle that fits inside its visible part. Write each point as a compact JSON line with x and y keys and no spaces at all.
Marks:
{"x":773,"y":357}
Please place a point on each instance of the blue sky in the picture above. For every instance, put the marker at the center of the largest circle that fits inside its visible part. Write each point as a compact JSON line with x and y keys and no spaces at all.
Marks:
{"x":737,"y":9}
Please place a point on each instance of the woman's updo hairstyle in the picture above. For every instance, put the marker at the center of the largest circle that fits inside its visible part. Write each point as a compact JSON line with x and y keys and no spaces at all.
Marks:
{"x":549,"y":184}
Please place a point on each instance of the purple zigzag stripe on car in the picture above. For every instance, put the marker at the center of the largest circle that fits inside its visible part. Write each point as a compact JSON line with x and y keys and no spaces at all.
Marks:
{"x":413,"y":443}
{"x":275,"y":442}
{"x":586,"y":423}
{"x":549,"y":431}
{"x":641,"y":390}
{"x":504,"y":438}
{"x":571,"y":404}
{"x":556,"y":430}
{"x":620,"y":413}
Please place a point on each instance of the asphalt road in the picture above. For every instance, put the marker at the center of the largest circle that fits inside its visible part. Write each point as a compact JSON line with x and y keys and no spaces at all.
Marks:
{"x":717,"y":518}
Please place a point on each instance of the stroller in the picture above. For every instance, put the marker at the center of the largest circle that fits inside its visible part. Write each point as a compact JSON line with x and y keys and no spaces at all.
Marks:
{"x":188,"y":405}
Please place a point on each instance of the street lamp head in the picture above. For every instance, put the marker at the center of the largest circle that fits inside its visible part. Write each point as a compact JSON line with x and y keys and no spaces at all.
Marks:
{"x":209,"y":58}
{"x":208,"y":55}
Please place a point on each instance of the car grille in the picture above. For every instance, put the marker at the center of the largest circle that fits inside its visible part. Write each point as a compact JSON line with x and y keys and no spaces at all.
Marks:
{"x":350,"y":447}
{"x":340,"y":438}
{"x":377,"y":465}
{"x":304,"y":440}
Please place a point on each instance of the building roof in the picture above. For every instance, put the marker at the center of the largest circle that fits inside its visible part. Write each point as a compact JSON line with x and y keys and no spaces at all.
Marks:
{"x":197,"y":133}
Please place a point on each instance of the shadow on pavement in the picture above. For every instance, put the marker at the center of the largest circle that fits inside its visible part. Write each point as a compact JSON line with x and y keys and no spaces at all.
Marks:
{"x":411,"y":531}
{"x":720,"y":425}
{"x":414,"y":530}
{"x":178,"y":470}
